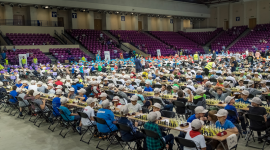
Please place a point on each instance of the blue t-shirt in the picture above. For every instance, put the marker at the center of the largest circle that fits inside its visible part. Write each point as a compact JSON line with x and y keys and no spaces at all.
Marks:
{"x":26,"y":87}
{"x":19,"y":85}
{"x":243,"y":101}
{"x":72,"y":70}
{"x":66,"y":114}
{"x":81,"y":69}
{"x":108,"y":116}
{"x":191,"y":118}
{"x":85,"y":97}
{"x":56,"y":103}
{"x":227,"y":125}
{"x":199,"y":76}
{"x":233,"y":119}
{"x":13,"y":94}
{"x":79,"y":86}
{"x":149,"y":89}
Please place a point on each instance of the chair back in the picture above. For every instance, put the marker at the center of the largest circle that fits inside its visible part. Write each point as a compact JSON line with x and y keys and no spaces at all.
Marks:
{"x":168,"y":114}
{"x":46,"y":91}
{"x":142,"y":84}
{"x":100,"y":120}
{"x":185,"y":142}
{"x":191,"y":107}
{"x":155,"y":100}
{"x":145,"y":110}
{"x":231,"y":113}
{"x":154,"y":135}
{"x":255,"y":118}
{"x":83,"y":115}
{"x":119,"y":82}
{"x":123,"y":127}
{"x":19,"y":98}
{"x":133,"y":83}
{"x":199,"y":79}
{"x":157,"y":85}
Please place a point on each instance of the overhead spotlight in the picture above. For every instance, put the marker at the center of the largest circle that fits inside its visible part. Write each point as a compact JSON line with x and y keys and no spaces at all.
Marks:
{"x":11,"y":4}
{"x":104,"y":12}
{"x":131,"y":13}
{"x":81,"y":10}
{"x":46,"y":7}
{"x":20,"y":5}
{"x":2,"y":4}
{"x":36,"y":6}
{"x":110,"y":12}
{"x":148,"y":15}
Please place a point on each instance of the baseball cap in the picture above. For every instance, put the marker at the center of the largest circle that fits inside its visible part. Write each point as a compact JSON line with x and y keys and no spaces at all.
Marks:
{"x":206,"y":78}
{"x":124,"y":110}
{"x":175,"y":87}
{"x":208,"y":83}
{"x":18,"y":90}
{"x":250,"y":83}
{"x":91,"y":100}
{"x":196,"y":124}
{"x":157,"y":78}
{"x":139,"y":89}
{"x":1,"y":83}
{"x":256,"y":100}
{"x":189,"y":82}
{"x":33,"y":82}
{"x":147,"y":82}
{"x":81,"y":91}
{"x":63,"y":100}
{"x":245,"y":92}
{"x":228,"y":99}
{"x":128,"y":81}
{"x":200,"y":91}
{"x":152,"y":116}
{"x":116,"y":98}
{"x":105,"y":103}
{"x":106,"y":79}
{"x":58,"y":78}
{"x":157,"y":105}
{"x":111,"y":85}
{"x":263,"y":82}
{"x":50,"y":84}
{"x":175,"y":81}
{"x":149,"y":76}
{"x":221,"y":113}
{"x":226,"y":83}
{"x":103,"y":95}
{"x":134,"y":98}
{"x":58,"y":91}
{"x":200,"y":109}
{"x":121,"y":87}
{"x":71,"y":89}
{"x":59,"y":87}
{"x":40,"y":83}
{"x":156,"y":90}
{"x":36,"y":93}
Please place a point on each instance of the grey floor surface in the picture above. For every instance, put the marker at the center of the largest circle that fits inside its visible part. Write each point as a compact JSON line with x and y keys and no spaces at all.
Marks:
{"x":18,"y":134}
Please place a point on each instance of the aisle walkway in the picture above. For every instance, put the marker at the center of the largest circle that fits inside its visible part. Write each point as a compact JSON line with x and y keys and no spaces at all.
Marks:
{"x":18,"y":134}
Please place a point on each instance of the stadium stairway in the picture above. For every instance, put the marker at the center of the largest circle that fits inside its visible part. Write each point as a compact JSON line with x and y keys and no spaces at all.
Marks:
{"x":127,"y":47}
{"x":72,"y":40}
{"x":153,"y":37}
{"x":53,"y":59}
{"x":242,"y":35}
{"x":110,"y":35}
{"x":206,"y":47}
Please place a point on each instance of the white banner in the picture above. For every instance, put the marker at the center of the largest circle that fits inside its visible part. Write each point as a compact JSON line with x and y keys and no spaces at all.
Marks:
{"x":158,"y":52}
{"x":231,"y":141}
{"x":107,"y":55}
{"x":21,"y":57}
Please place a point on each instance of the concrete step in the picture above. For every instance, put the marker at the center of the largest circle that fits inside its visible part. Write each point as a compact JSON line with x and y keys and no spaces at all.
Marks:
{"x":110,"y":36}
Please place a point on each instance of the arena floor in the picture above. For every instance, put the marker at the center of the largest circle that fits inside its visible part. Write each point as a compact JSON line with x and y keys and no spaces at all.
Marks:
{"x":21,"y":134}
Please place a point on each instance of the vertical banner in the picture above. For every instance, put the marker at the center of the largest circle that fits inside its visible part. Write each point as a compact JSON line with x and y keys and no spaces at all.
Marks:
{"x":122,"y":18}
{"x":21,"y":57}
{"x":107,"y":55}
{"x":158,"y":52}
{"x":74,"y":15}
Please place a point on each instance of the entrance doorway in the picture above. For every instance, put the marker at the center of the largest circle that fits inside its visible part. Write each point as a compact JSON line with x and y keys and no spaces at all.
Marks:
{"x":98,"y":24}
{"x":252,"y":23}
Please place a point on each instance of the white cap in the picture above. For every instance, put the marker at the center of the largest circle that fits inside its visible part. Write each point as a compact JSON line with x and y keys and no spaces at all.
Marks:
{"x":126,"y":77}
{"x":256,"y":100}
{"x":189,"y":82}
{"x":124,"y":110}
{"x":58,"y":77}
{"x":175,"y":87}
{"x":156,"y":90}
{"x":147,"y":82}
{"x":200,"y":109}
{"x":40,"y":83}
{"x":175,"y":81}
{"x":123,"y":72}
{"x":206,"y":78}
{"x":221,"y":113}
{"x":106,"y":79}
{"x":59,"y":87}
{"x":208,"y":83}
{"x":111,"y":85}
{"x":226,"y":83}
{"x":196,"y":124}
{"x":50,"y":84}
{"x":149,"y":76}
{"x":71,"y":89}
{"x":116,"y":98}
{"x":113,"y":71}
{"x":228,"y":99}
{"x":76,"y":80}
{"x":58,"y":91}
{"x":1,"y":83}
{"x":63,"y":100}
{"x":200,"y":91}
{"x":33,"y":82}
{"x":121,"y":87}
{"x":49,"y":78}
{"x":36,"y":93}
{"x":245,"y":92}
{"x":79,"y":76}
{"x":128,"y":81}
{"x":152,"y":116}
{"x":18,"y":90}
{"x":82,"y":90}
{"x":157,"y":78}
{"x":103,"y":95}
{"x":157,"y":105}
{"x":105,"y":104}
{"x":139,"y":89}
{"x":134,"y":98}
{"x":91,"y":100}
{"x":250,"y":83}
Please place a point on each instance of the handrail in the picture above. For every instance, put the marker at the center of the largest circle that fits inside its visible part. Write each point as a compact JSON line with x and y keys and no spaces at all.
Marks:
{"x":71,"y":39}
{"x":20,"y":22}
{"x":5,"y":38}
{"x":62,"y":39}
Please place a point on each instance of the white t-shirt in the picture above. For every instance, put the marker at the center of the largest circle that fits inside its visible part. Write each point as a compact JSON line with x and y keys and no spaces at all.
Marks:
{"x":198,"y":140}
{"x":134,"y":108}
{"x":90,"y":113}
{"x":143,"y":62}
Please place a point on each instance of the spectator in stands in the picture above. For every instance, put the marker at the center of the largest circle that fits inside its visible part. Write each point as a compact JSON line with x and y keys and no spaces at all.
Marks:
{"x":14,"y":49}
{"x":3,"y":54}
{"x":5,"y":48}
{"x":223,"y":47}
{"x":214,"y":56}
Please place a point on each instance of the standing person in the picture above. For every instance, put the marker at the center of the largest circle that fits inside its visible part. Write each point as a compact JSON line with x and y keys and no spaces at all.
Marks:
{"x":258,"y":54}
{"x":138,"y":65}
{"x":209,"y":66}
{"x":214,"y":56}
{"x":14,"y":49}
{"x":35,"y":61}
{"x":250,"y":58}
{"x":143,"y":62}
{"x":23,"y":61}
{"x":196,"y":57}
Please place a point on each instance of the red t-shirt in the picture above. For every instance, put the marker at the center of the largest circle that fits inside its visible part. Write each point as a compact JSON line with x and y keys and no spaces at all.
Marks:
{"x":59,"y":83}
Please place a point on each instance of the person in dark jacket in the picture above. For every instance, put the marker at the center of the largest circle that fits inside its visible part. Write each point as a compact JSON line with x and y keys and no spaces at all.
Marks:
{"x":214,"y":56}
{"x":138,"y":65}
